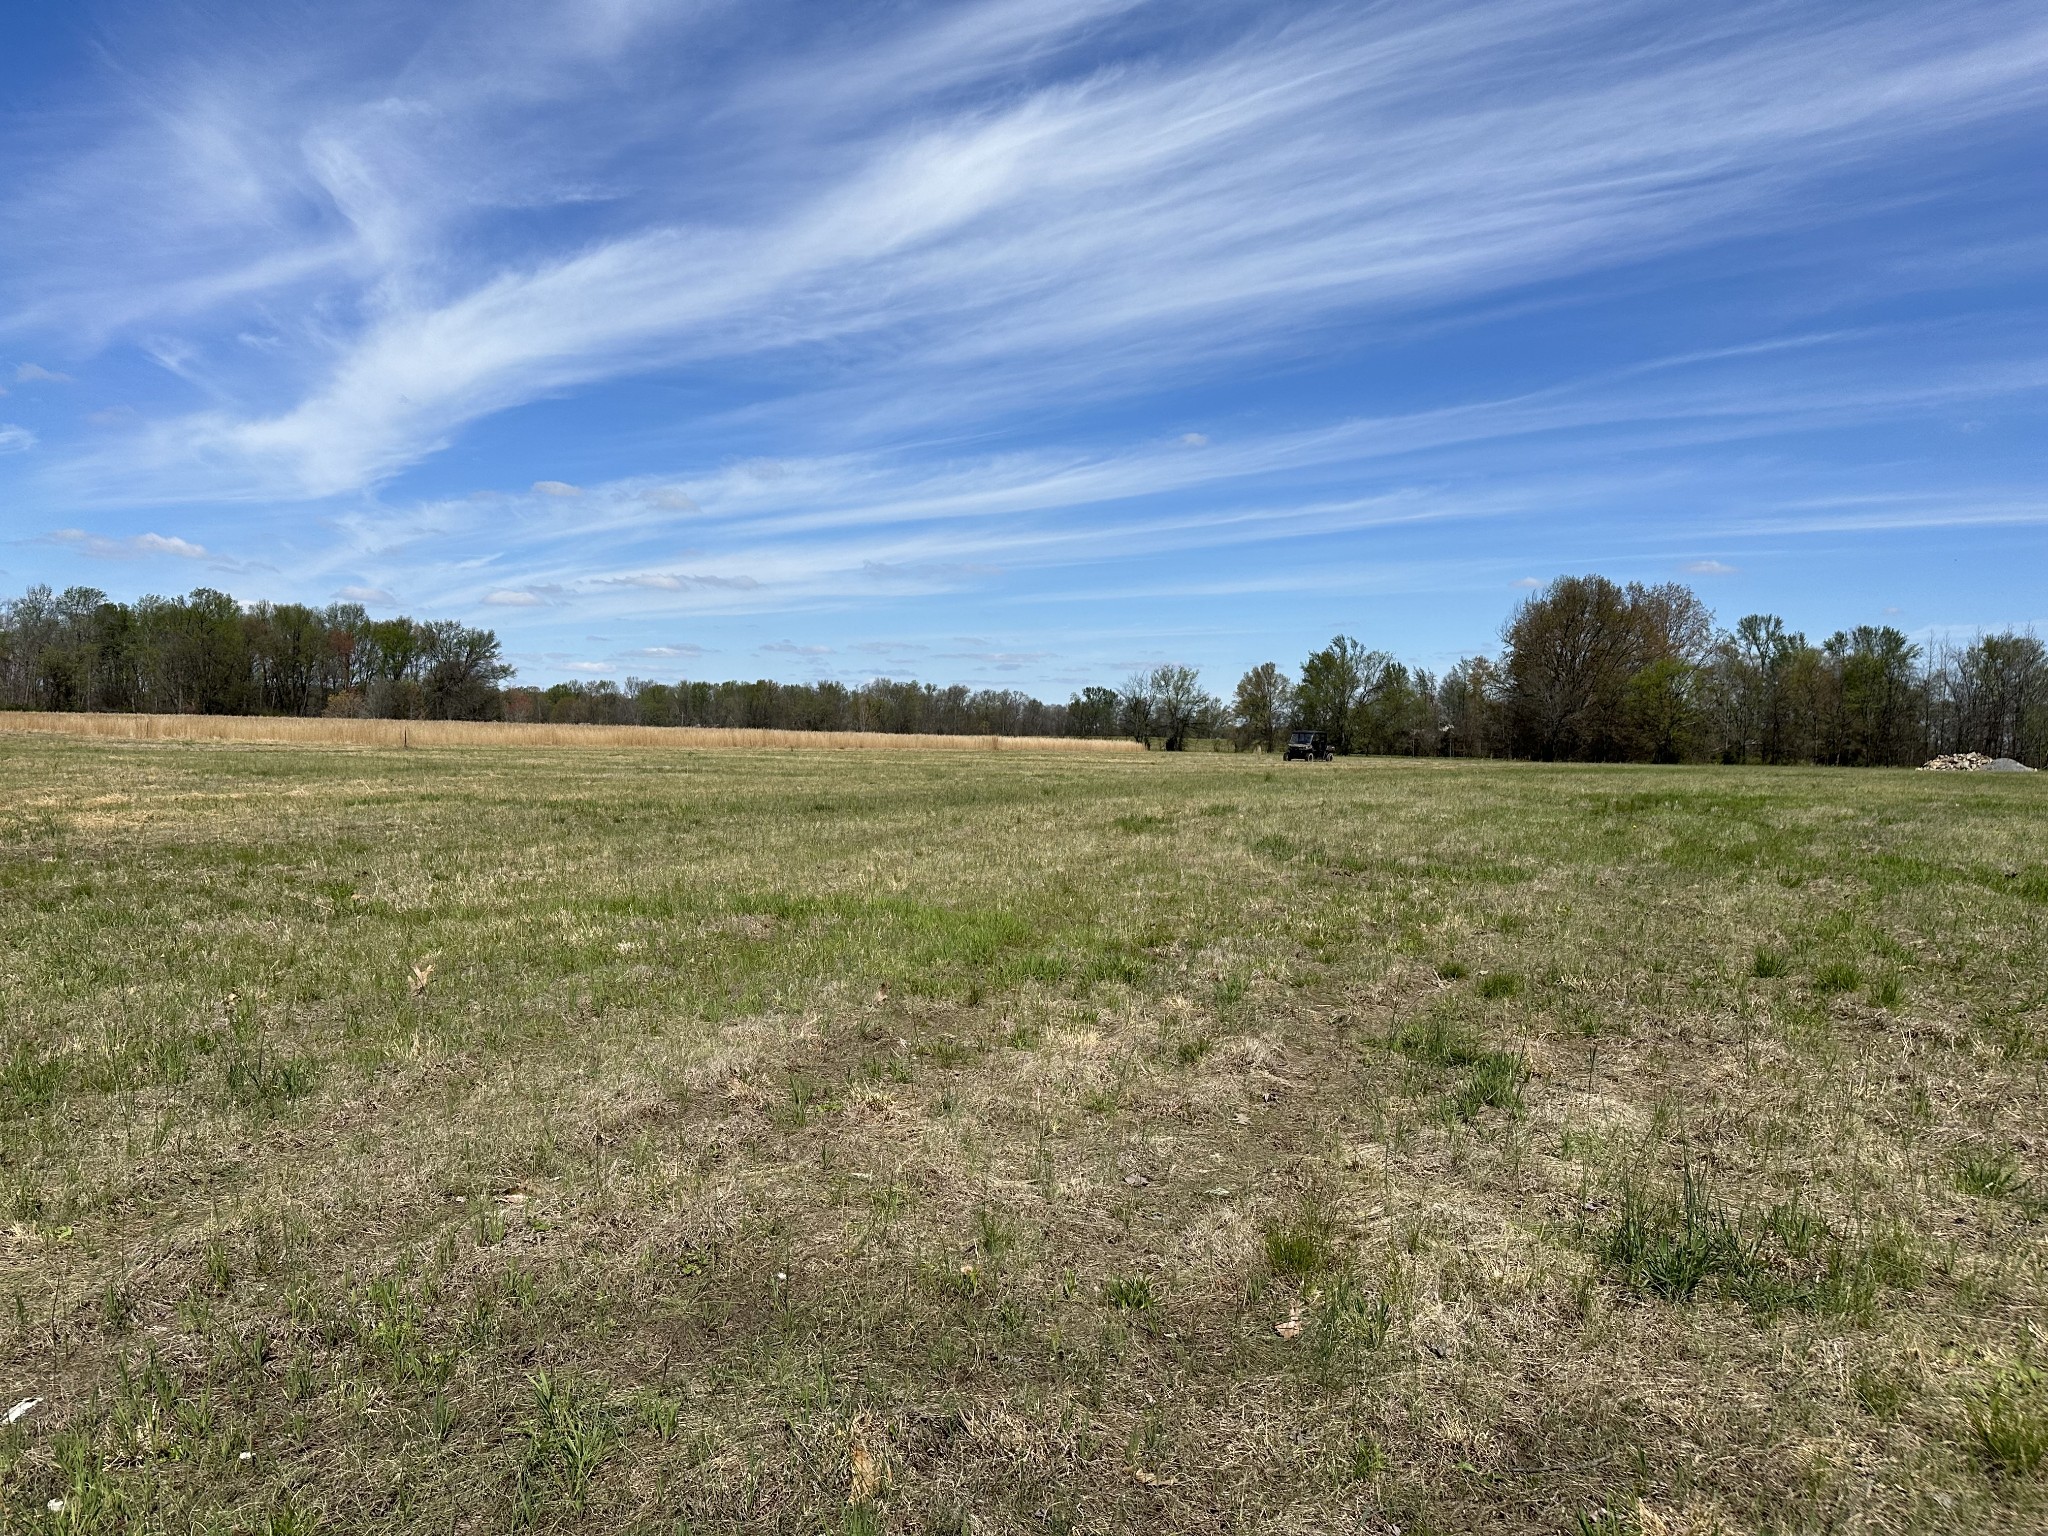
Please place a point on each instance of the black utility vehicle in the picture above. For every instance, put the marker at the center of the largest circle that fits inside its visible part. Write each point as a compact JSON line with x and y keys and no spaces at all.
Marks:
{"x":1307,"y":747}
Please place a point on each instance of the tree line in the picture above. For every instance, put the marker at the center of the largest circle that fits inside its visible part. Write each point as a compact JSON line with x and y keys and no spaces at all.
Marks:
{"x":208,"y":654}
{"x":1588,"y":671}
{"x":1593,"y":671}
{"x":882,"y":704}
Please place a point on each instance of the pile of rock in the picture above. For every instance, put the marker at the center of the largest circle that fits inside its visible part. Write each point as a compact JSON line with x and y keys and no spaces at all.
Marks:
{"x":1973,"y":762}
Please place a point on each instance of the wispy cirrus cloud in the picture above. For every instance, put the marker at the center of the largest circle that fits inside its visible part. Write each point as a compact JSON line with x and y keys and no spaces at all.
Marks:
{"x":137,"y":546}
{"x":1011,"y":213}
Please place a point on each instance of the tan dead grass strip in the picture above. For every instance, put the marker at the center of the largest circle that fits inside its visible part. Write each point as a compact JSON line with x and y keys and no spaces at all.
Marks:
{"x":492,"y":733}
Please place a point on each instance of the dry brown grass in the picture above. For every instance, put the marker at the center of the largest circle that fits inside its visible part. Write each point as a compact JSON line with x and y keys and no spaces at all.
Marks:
{"x":496,"y":733}
{"x":913,"y":1143}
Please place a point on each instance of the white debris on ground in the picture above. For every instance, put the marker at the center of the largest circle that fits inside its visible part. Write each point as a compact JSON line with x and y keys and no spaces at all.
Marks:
{"x":1973,"y":762}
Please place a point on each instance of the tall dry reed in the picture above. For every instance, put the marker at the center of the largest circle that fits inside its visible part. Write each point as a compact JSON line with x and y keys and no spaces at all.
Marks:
{"x":473,"y":733}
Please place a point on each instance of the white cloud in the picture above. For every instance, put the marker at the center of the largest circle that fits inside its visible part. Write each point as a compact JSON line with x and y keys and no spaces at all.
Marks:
{"x":159,"y":544}
{"x":509,"y":598}
{"x":1528,"y":582}
{"x":32,"y":373}
{"x":1195,"y":439}
{"x":134,"y":547}
{"x":669,"y":652}
{"x":1709,"y":568}
{"x":790,"y":648}
{"x":365,"y":595}
{"x":15,"y":439}
{"x":994,"y":219}
{"x":557,"y":488}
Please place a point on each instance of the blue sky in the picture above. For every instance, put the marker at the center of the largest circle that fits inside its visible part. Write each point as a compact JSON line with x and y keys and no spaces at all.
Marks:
{"x":1026,"y":342}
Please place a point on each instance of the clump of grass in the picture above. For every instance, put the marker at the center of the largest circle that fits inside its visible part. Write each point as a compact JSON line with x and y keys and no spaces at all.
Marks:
{"x":946,"y":1051}
{"x":29,"y":1080}
{"x":1301,"y":1245}
{"x":441,"y":1418}
{"x":567,"y":1438}
{"x":1495,"y":1083}
{"x":993,"y":1234}
{"x":1350,"y":1323}
{"x":2008,"y":1420}
{"x":1988,"y":1175}
{"x":1883,"y":1393}
{"x":117,"y":1307}
{"x":1498,"y":984}
{"x":1365,"y":1459}
{"x":258,"y":1081}
{"x":1837,"y":976}
{"x":1435,"y":1042}
{"x":1669,"y":1249}
{"x":1784,"y":1259}
{"x":1130,"y":1293}
{"x":1138,"y":824}
{"x":1767,"y":963}
{"x":662,"y":1415}
{"x":1453,"y":970}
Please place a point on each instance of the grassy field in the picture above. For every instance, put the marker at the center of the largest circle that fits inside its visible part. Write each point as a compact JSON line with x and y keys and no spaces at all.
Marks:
{"x":465,"y":1140}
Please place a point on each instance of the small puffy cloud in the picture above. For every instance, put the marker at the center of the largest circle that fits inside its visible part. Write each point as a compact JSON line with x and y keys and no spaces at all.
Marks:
{"x":592,"y":667}
{"x":1710,"y":568}
{"x":669,"y":499}
{"x":32,"y":373}
{"x":791,"y":648}
{"x":509,"y":598}
{"x":114,"y":416}
{"x":365,"y":595}
{"x":15,"y":439}
{"x":139,"y":546}
{"x":160,"y":544}
{"x":1529,"y":582}
{"x":669,"y":652}
{"x":1195,"y":439}
{"x":557,"y":488}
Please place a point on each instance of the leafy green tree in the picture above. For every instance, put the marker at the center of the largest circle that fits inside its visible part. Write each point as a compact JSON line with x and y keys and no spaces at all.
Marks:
{"x":1878,"y":720}
{"x":1467,"y":708}
{"x":1179,"y":706}
{"x":1261,"y":708}
{"x":1573,"y":652}
{"x":1093,"y":712}
{"x":1333,"y":680}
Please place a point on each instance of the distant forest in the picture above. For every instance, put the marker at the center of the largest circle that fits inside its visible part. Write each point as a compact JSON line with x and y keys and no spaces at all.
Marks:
{"x":1588,"y":670}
